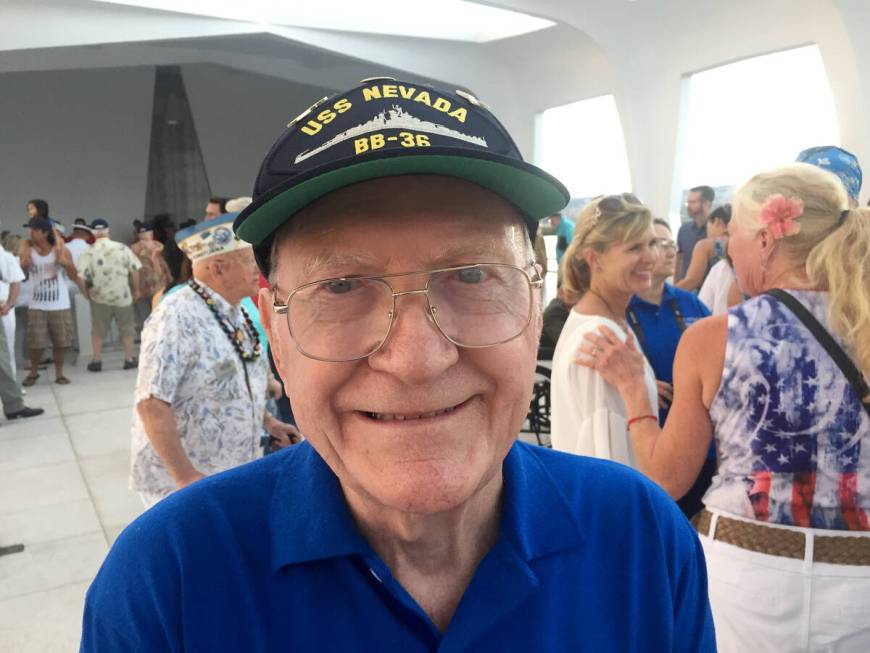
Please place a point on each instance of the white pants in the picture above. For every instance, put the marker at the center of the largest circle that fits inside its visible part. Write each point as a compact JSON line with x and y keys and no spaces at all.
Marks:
{"x":9,"y":325}
{"x":770,"y":603}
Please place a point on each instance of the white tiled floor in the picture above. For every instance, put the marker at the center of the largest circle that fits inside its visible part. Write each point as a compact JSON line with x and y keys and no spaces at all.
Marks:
{"x":63,"y":494}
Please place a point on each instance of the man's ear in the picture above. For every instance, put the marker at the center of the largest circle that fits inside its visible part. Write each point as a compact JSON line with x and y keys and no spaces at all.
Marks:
{"x":268,"y":318}
{"x":266,"y":313}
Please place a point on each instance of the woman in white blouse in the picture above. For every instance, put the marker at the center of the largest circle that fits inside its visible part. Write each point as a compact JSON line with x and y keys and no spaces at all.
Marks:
{"x":610,"y":259}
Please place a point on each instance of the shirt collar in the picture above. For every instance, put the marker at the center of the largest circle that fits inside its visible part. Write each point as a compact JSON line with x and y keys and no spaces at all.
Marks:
{"x":222,"y":304}
{"x":667,"y":294}
{"x":309,"y":518}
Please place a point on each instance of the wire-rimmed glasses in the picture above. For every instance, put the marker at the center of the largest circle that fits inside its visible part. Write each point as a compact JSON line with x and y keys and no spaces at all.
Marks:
{"x":348,"y":318}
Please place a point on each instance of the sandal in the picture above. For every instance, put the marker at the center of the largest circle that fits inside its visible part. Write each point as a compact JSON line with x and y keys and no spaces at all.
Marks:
{"x":30,"y":380}
{"x":62,"y":380}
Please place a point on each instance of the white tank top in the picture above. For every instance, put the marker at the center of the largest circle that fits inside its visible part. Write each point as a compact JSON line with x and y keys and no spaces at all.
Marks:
{"x":48,"y":286}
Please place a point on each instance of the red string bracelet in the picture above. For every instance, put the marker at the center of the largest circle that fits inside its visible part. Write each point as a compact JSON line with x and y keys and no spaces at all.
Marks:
{"x":639,"y":418}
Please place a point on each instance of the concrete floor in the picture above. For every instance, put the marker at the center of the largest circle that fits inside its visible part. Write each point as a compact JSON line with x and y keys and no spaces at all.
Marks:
{"x":63,"y":494}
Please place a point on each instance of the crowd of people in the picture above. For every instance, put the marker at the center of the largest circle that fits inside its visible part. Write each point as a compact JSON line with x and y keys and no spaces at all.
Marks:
{"x":396,"y":297}
{"x":754,"y":419}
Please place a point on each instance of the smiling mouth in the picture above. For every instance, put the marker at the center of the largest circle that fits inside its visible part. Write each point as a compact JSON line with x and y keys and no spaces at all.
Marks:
{"x":404,"y":417}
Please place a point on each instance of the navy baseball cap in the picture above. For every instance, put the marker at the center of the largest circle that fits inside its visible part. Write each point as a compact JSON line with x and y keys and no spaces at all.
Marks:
{"x":386,"y":128}
{"x":43,"y":224}
{"x":99,"y":223}
{"x":143,"y":227}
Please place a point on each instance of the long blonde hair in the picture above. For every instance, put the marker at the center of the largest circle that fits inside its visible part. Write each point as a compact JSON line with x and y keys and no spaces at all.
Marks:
{"x":599,"y":228}
{"x":834,"y":246}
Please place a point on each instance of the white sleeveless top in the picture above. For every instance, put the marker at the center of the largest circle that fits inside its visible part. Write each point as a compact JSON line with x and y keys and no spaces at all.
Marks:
{"x":48,"y":283}
{"x":587,"y":413}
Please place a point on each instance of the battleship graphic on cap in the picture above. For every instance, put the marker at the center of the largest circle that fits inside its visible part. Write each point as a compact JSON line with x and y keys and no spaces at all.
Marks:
{"x":385,"y":128}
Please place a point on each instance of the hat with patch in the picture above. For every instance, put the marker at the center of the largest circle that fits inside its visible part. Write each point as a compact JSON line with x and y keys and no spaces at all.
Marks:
{"x":837,"y":160}
{"x":144,"y":227}
{"x":210,"y":238}
{"x":386,"y":128}
{"x":99,"y":224}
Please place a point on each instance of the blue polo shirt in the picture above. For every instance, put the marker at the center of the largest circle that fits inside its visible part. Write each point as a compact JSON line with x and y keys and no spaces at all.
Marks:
{"x":658,"y":330}
{"x":266,"y":557}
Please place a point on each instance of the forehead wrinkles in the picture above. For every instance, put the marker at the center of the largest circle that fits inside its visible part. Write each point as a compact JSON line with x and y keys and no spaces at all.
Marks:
{"x":366,"y":220}
{"x":383,"y":249}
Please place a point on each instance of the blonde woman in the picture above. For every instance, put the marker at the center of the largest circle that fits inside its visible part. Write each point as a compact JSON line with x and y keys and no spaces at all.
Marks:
{"x":786,"y":530}
{"x":610,"y":259}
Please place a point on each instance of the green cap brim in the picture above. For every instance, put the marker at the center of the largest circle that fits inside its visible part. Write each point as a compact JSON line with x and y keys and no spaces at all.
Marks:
{"x":534,"y":192}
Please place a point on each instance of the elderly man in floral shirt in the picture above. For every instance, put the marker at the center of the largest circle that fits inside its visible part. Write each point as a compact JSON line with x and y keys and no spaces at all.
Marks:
{"x":105,"y":270}
{"x":201,"y":393}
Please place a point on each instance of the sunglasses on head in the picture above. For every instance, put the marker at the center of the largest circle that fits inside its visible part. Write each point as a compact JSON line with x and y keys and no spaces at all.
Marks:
{"x":617,"y":202}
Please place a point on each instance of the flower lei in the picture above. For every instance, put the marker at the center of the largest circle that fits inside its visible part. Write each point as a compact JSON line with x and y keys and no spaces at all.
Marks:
{"x":779,"y":215}
{"x":236,"y":336}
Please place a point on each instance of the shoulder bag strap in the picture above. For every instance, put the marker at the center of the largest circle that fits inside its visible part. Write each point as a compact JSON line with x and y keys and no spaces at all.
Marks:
{"x":847,"y":367}
{"x":678,"y":314}
{"x":634,"y":323}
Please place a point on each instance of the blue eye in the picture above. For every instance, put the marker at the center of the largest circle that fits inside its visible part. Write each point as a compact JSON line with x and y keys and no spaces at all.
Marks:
{"x":470,"y":275}
{"x":341,"y":286}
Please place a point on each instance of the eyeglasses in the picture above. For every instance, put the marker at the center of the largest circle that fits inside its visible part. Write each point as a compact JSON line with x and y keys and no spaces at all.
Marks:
{"x":666,"y":244}
{"x":350,"y":318}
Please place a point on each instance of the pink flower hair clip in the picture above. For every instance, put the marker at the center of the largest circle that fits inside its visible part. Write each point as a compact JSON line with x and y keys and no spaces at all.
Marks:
{"x":778,"y":214}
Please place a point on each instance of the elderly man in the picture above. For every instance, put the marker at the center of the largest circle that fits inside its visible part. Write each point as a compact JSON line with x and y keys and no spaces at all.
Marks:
{"x":201,"y":391}
{"x":105,"y":270}
{"x":394,"y":223}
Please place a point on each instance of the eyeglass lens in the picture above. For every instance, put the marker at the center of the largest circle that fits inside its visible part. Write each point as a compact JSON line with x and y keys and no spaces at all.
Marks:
{"x":346,"y":319}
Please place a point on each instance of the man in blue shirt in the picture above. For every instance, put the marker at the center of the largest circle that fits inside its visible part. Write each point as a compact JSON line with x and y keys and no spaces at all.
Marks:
{"x":658,"y":318}
{"x":404,"y":314}
{"x":564,"y":234}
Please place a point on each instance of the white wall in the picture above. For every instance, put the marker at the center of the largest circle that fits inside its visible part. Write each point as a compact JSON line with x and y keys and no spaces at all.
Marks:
{"x":638,"y":51}
{"x":78,"y":139}
{"x":238,"y":115}
{"x":652,"y":46}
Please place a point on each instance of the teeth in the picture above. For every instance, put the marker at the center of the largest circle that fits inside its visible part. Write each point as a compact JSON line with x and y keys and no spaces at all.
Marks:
{"x":402,"y":418}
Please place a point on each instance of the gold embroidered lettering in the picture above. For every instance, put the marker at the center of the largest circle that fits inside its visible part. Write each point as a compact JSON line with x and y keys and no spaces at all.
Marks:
{"x":460,"y":114}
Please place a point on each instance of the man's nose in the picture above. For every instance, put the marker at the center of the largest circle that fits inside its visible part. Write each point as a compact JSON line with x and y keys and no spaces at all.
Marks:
{"x":415,"y":352}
